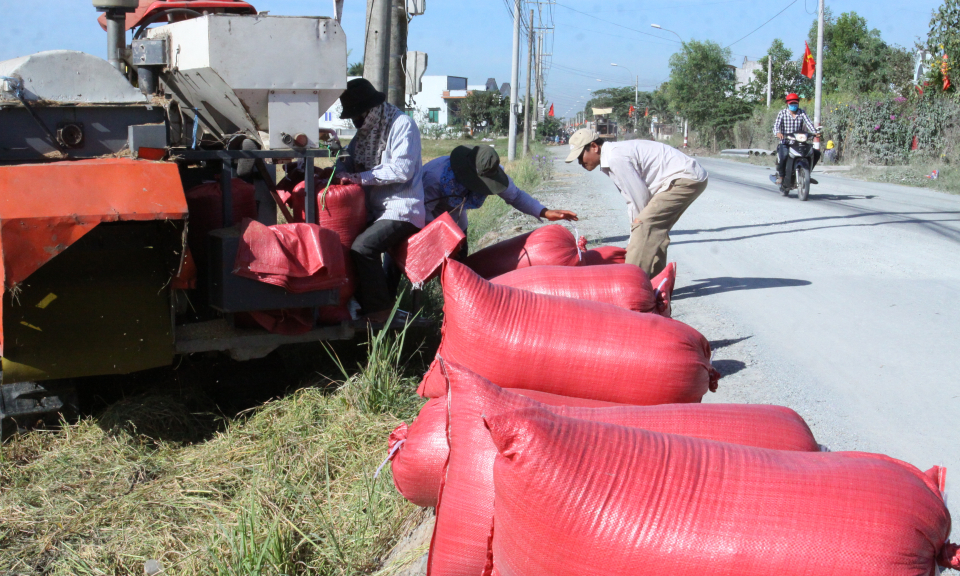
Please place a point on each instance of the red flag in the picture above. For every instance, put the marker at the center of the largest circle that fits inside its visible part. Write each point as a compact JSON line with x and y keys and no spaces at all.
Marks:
{"x":646,"y":112}
{"x":551,"y":111}
{"x":809,"y":64}
{"x":945,"y":70}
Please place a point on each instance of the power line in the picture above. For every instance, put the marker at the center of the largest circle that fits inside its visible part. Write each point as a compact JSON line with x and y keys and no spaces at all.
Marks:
{"x":619,"y":25}
{"x":765,"y":23}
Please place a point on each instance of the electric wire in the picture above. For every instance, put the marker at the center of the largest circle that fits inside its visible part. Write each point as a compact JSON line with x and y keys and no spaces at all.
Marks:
{"x":765,"y":23}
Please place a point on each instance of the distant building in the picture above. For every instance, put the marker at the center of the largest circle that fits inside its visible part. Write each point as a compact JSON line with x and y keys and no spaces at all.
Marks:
{"x":745,"y":73}
{"x":440,"y":99}
{"x":505,"y":89}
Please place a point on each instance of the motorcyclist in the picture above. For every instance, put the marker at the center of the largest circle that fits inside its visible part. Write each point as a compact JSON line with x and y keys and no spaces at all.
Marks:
{"x":790,"y":120}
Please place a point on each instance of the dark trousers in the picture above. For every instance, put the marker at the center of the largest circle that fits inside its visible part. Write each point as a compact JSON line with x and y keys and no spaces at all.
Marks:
{"x":367,"y":250}
{"x":782,"y":159}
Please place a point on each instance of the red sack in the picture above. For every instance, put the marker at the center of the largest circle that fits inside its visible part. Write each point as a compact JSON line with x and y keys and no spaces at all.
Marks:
{"x":604,"y":255}
{"x":418,"y":453}
{"x":622,"y":285}
{"x":518,"y":339}
{"x":205,"y":203}
{"x":576,"y":497}
{"x":343,"y":209}
{"x":551,"y":245}
{"x":288,"y":322}
{"x":421,"y":256}
{"x":296,"y":257}
{"x":663,"y":286}
{"x":465,"y":512}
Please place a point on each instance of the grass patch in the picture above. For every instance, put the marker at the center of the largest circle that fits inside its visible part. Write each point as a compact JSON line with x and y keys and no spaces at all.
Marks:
{"x":286,"y":488}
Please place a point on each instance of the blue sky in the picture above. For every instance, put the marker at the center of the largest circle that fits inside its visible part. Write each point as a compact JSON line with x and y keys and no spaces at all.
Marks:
{"x":473,"y":37}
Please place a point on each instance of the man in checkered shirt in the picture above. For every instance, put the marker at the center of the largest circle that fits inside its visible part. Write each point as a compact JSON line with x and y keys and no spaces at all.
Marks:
{"x":789,"y":121}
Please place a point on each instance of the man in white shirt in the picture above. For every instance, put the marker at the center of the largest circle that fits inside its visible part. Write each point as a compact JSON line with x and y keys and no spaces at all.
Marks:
{"x":657,"y":181}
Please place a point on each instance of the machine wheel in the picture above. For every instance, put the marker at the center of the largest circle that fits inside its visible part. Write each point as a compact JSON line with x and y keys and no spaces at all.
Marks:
{"x":26,"y":404}
{"x":803,"y":183}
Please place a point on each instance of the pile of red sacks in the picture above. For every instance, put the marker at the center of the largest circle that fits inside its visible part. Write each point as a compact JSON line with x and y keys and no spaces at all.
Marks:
{"x":564,"y":434}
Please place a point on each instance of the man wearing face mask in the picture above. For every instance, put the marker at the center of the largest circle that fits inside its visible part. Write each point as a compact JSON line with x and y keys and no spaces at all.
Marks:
{"x":789,"y":121}
{"x":384,"y":158}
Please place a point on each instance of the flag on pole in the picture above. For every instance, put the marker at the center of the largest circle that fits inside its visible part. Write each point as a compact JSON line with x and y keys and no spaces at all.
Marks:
{"x":551,"y":111}
{"x":646,"y":112}
{"x":630,"y":112}
{"x":809,"y":64}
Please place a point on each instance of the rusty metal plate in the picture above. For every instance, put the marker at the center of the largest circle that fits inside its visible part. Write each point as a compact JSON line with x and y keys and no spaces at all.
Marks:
{"x":44,"y":208}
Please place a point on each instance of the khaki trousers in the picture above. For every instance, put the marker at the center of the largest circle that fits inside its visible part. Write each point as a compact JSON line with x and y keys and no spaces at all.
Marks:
{"x":650,"y":232}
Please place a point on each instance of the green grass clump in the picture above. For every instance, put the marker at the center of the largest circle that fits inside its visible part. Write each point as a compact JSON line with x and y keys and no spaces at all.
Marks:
{"x":286,"y":488}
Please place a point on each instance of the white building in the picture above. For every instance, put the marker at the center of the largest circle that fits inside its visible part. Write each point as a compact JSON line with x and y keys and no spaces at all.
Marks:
{"x":745,"y":72}
{"x":440,"y":99}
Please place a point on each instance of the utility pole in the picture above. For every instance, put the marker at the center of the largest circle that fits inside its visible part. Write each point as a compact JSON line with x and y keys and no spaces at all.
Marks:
{"x":514,"y":84}
{"x":397,"y":88}
{"x":769,"y":77}
{"x":636,"y":104}
{"x":819,"y":90}
{"x":376,"y":53}
{"x":526,"y":108}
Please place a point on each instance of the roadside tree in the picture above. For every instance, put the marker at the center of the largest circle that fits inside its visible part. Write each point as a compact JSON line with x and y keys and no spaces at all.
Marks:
{"x":856,"y":60}
{"x":786,"y":77}
{"x":944,"y":38}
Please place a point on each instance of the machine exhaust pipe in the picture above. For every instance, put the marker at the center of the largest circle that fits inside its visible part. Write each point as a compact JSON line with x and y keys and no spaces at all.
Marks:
{"x":115,"y":12}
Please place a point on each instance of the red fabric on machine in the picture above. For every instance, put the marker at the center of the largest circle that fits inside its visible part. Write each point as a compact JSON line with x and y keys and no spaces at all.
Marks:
{"x":551,"y":245}
{"x":205,"y":203}
{"x":622,"y":285}
{"x":418,"y":463}
{"x":343,"y":209}
{"x":421,"y":256}
{"x":604,"y":255}
{"x":577,"y":497}
{"x":296,"y":257}
{"x":518,"y":339}
{"x":465,"y":512}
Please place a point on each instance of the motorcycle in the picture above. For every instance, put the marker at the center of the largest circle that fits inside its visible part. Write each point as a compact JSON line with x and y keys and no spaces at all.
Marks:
{"x":801,"y":158}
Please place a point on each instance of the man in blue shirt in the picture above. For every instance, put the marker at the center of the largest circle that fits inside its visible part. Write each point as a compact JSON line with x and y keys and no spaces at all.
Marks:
{"x":463,"y":180}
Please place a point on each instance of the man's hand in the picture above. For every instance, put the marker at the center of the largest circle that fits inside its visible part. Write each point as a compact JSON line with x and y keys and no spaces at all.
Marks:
{"x":780,"y":135}
{"x":554,"y":215}
{"x":349,"y":178}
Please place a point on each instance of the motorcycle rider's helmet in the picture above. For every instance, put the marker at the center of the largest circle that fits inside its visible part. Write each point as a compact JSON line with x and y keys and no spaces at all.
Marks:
{"x":792,"y":98}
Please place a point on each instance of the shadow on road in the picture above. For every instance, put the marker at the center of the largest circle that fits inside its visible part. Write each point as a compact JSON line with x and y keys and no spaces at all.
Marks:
{"x":718,"y":344}
{"x":610,"y":239}
{"x":841,"y":197}
{"x":708,"y":286}
{"x":728,"y":367}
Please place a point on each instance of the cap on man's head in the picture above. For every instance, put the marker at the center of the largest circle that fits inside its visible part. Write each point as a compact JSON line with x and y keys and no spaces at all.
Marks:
{"x":792,"y":98}
{"x":359,"y":97}
{"x":579,"y":141}
{"x":478,"y":169}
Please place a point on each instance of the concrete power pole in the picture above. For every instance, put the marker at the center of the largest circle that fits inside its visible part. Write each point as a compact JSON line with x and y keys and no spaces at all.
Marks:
{"x":816,"y":103}
{"x":376,"y":53}
{"x":526,"y":107}
{"x":397,"y":87}
{"x":514,"y":84}
{"x":769,"y":78}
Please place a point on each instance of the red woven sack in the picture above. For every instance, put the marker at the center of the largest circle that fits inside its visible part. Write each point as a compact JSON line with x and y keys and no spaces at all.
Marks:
{"x":418,"y":452}
{"x":206,"y":213}
{"x":551,"y":245}
{"x":465,"y":512}
{"x":622,"y":285}
{"x":576,"y":497}
{"x":296,"y":257}
{"x":518,"y":339}
{"x":604,"y":255}
{"x":421,"y":256}
{"x":663,"y":286}
{"x":343,"y":209}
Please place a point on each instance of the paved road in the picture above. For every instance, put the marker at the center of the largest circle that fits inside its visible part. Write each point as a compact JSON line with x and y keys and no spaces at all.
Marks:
{"x":845,"y":308}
